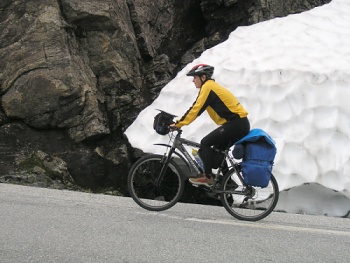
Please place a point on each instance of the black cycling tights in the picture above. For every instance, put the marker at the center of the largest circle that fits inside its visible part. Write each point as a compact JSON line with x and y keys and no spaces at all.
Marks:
{"x":230,"y":132}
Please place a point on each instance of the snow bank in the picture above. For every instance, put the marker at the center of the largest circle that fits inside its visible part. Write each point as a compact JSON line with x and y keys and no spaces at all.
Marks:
{"x":292,"y":75}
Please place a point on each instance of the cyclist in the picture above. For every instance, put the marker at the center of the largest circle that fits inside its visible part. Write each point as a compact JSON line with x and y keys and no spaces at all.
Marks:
{"x":223,"y":108}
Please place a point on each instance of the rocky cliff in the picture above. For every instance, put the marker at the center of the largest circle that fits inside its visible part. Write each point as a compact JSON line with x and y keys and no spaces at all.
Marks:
{"x":74,"y":74}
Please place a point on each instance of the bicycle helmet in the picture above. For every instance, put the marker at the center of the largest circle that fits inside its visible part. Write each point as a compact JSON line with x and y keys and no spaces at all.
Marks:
{"x":201,"y":69}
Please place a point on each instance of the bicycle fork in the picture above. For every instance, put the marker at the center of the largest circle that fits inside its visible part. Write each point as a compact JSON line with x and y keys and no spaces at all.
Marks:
{"x":165,"y":164}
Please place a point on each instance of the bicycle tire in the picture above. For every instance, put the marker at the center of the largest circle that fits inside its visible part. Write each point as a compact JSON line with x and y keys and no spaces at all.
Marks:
{"x":147,"y":192}
{"x":250,"y":203}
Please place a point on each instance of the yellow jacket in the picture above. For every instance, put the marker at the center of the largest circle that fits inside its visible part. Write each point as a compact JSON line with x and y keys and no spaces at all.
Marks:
{"x":221,"y":105}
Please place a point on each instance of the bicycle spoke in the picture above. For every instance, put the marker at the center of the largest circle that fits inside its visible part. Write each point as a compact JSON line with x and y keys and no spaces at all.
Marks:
{"x":152,"y":190}
{"x":249,"y":203}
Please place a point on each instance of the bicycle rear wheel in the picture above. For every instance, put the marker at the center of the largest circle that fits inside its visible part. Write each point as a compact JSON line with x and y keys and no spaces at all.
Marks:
{"x":152,"y":190}
{"x":248,"y":203}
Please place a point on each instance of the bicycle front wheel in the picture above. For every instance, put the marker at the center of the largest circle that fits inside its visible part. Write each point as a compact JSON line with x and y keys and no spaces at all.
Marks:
{"x":248,"y":203}
{"x":152,"y":189}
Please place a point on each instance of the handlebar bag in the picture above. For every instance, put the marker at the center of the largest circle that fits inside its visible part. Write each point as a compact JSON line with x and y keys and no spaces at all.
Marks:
{"x":162,"y":121}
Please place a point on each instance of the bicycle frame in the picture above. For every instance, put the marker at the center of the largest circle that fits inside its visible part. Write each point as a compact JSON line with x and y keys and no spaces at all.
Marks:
{"x":178,"y":145}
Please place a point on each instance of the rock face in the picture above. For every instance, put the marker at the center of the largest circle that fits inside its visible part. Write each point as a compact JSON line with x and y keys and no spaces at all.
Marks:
{"x":43,"y":170}
{"x":74,"y":74}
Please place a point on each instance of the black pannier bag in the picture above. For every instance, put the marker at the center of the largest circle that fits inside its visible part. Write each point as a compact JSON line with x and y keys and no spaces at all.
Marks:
{"x":162,"y":121}
{"x":238,"y":151}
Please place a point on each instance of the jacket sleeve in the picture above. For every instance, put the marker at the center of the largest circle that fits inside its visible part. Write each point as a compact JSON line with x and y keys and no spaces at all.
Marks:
{"x":196,"y":109}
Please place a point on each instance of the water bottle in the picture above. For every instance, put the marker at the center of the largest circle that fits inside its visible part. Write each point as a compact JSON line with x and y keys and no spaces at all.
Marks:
{"x":197,"y":158}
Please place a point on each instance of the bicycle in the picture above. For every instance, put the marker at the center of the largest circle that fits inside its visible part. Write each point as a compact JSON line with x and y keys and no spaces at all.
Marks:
{"x":156,"y":182}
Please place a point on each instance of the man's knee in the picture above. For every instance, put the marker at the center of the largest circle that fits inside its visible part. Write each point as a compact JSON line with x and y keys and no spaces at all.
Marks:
{"x":205,"y":142}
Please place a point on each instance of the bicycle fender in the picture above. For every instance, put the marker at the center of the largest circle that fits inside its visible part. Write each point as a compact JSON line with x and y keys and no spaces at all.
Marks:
{"x":175,"y":152}
{"x":162,"y":144}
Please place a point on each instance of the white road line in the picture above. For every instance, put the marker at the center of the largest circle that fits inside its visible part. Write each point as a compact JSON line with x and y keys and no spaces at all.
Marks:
{"x":255,"y":225}
{"x":274,"y":226}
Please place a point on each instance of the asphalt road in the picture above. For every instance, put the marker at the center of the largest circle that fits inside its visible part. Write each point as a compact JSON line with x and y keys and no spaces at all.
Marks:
{"x":44,"y":225}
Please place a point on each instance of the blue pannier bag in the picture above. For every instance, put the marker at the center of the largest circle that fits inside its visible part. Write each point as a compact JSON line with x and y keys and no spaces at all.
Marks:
{"x":259,"y":154}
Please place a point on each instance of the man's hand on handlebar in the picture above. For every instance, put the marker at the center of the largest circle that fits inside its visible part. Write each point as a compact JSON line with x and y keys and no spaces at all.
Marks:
{"x":173,"y":127}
